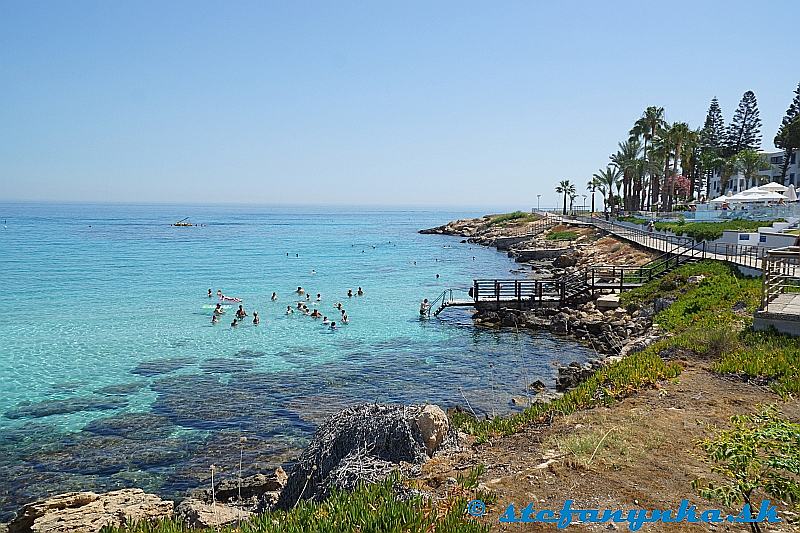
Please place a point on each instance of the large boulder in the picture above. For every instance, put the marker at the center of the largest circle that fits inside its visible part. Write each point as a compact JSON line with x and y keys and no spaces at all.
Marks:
{"x":566,"y":260}
{"x":199,"y":514}
{"x":433,"y":424}
{"x":365,"y":443}
{"x":89,"y":512}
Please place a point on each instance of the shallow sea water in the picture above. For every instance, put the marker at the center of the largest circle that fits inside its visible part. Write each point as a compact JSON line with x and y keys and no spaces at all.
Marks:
{"x":112,"y":374}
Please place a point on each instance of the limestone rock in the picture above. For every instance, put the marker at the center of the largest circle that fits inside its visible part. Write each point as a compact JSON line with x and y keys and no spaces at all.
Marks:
{"x":198,"y":514}
{"x":89,"y":512}
{"x":434,"y":425}
{"x":609,"y":301}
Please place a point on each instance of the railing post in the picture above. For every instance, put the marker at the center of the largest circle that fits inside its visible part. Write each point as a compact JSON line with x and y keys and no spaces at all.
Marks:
{"x":475,"y":286}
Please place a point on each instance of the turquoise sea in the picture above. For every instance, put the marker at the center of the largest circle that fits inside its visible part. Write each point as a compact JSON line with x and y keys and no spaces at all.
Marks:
{"x":113,"y":375}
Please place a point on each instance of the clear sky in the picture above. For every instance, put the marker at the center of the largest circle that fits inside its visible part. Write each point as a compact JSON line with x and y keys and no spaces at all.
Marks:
{"x":337,"y":102}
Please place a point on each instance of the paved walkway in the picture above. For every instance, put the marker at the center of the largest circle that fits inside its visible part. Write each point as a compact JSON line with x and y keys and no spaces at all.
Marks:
{"x":785,"y":304}
{"x":745,"y":256}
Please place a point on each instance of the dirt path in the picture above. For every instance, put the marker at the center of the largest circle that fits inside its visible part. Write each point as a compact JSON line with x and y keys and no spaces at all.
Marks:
{"x":639,"y":453}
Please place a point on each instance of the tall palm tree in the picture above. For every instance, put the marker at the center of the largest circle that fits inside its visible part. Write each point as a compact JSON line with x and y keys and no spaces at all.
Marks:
{"x":678,"y":135}
{"x":627,"y":158}
{"x":566,"y":188}
{"x":660,"y":157}
{"x":606,"y":180}
{"x":591,"y":186}
{"x":690,"y":161}
{"x":649,"y":127}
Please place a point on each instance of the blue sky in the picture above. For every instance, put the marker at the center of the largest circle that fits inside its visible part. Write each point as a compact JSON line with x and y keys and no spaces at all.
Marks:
{"x":408,"y":103}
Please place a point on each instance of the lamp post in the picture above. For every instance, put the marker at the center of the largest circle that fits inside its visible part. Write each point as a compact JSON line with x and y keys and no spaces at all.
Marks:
{"x":584,"y":202}
{"x":538,"y":201}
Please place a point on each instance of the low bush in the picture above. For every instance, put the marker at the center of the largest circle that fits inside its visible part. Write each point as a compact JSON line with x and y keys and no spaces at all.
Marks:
{"x":562,"y":236}
{"x":516,"y":217}
{"x":373,"y":508}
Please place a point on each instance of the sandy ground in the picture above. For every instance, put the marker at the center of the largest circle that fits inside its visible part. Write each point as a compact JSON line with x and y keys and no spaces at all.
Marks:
{"x":640,"y":453}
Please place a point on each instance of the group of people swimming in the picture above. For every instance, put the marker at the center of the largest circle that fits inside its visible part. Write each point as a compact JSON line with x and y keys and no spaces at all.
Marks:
{"x":241,"y":314}
{"x":302,"y":307}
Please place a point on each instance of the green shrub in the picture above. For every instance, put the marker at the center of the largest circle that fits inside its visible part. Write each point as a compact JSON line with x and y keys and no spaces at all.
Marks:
{"x":374,"y":508}
{"x":759,"y":454}
{"x":516,"y":217}
{"x":709,"y":231}
{"x":633,"y":220}
{"x":562,"y":236}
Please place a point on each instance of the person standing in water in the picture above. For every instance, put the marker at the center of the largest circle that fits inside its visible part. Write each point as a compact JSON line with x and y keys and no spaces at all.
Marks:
{"x":209,"y":293}
{"x":274,"y":297}
{"x":214,"y":319}
{"x":234,"y":323}
{"x":289,"y":310}
{"x":360,"y":292}
{"x":349,"y":293}
{"x":424,"y":307}
{"x":218,"y":310}
{"x":256,"y":320}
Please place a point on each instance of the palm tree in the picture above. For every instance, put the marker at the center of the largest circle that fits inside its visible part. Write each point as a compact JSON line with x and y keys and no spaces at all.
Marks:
{"x":728,"y":167}
{"x":649,"y":127}
{"x":606,"y":180}
{"x":658,"y":164}
{"x":710,"y":162}
{"x":566,"y":188}
{"x":749,"y":163}
{"x":627,"y":158}
{"x":678,"y":134}
{"x":590,"y":186}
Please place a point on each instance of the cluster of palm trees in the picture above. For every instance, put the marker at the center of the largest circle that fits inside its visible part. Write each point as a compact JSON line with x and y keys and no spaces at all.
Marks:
{"x":643,"y":173}
{"x":661,"y":166}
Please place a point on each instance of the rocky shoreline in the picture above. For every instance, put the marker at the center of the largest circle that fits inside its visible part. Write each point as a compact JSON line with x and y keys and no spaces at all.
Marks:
{"x":362,"y":443}
{"x":402,"y":437}
{"x":610,"y":330}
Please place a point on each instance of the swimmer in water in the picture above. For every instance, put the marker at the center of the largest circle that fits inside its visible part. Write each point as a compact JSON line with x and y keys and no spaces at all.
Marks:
{"x":360,"y":292}
{"x":345,"y":320}
{"x":241,"y":313}
{"x":325,"y":320}
{"x":313,"y":271}
{"x":333,"y":325}
{"x":256,"y":320}
{"x":349,"y":293}
{"x":339,"y":306}
{"x":218,"y":310}
{"x":209,"y":293}
{"x":300,"y":290}
{"x":234,"y":323}
{"x":308,"y":297}
{"x":219,"y":293}
{"x":215,"y":318}
{"x":289,"y":310}
{"x":274,"y":297}
{"x":437,"y":276}
{"x":319,"y":297}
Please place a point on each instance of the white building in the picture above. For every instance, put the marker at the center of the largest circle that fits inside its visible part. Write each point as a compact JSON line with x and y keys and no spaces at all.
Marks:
{"x":738,"y":183}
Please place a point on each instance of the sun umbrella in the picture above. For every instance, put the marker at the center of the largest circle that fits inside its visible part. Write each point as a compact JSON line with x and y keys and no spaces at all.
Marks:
{"x":773,"y":187}
{"x":754,"y":190}
{"x":720,"y":199}
{"x":791,"y":194}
